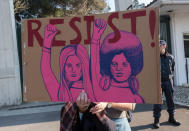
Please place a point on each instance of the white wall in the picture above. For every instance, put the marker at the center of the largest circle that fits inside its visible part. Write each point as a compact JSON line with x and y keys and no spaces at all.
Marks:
{"x":179,"y":26}
{"x":122,"y":5}
{"x":10,"y":88}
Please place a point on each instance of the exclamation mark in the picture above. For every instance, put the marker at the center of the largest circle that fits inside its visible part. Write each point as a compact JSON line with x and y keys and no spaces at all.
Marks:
{"x":152,"y":23}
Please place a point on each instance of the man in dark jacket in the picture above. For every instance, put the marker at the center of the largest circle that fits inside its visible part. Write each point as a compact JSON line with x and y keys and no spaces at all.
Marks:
{"x":167,"y":69}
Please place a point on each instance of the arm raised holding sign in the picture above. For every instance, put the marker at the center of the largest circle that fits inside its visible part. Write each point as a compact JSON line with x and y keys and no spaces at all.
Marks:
{"x":98,"y":30}
{"x":49,"y":78}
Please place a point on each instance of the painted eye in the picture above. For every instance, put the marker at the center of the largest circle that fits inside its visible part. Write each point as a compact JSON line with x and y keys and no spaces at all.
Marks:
{"x":124,"y":64}
{"x":78,"y":65}
{"x":114,"y":64}
{"x":69,"y":65}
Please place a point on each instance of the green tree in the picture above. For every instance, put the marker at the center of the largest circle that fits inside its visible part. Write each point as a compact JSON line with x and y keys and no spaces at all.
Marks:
{"x":20,"y":6}
{"x":59,"y":8}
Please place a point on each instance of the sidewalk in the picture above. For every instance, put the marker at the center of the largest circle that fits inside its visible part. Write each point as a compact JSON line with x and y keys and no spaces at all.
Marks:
{"x":143,"y":119}
{"x":181,"y":95}
{"x":30,"y":108}
{"x":45,"y":116}
{"x":36,"y":116}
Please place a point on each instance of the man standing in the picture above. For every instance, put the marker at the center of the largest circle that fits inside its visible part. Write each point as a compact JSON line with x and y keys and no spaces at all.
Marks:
{"x":167,"y":69}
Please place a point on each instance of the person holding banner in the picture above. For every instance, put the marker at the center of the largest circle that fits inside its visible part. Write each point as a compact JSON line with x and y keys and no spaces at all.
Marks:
{"x":167,"y":69}
{"x":74,"y":70}
{"x":115,"y":111}
{"x":78,"y":117}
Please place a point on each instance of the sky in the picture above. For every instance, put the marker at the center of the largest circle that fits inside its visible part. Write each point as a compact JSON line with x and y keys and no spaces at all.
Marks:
{"x":145,"y":1}
{"x":112,"y":4}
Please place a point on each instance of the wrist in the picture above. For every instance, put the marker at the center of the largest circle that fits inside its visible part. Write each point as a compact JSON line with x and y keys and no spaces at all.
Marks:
{"x":109,"y":105}
{"x":47,"y":43}
{"x":46,"y":49}
{"x":95,"y":41}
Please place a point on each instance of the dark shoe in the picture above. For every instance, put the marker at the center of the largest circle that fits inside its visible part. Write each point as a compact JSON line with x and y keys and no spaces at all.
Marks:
{"x":156,"y":123}
{"x":174,"y":122}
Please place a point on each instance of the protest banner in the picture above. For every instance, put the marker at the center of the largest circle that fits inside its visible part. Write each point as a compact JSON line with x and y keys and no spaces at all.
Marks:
{"x":114,"y":57}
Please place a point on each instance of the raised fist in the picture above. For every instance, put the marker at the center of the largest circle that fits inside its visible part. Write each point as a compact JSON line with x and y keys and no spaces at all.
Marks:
{"x":49,"y":34}
{"x":98,"y":28}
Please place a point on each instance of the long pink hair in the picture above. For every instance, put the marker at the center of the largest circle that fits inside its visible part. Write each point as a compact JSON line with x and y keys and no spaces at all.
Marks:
{"x":79,"y":50}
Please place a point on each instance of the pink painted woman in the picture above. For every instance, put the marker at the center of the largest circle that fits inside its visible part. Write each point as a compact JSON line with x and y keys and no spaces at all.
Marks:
{"x":114,"y":66}
{"x":74,"y":70}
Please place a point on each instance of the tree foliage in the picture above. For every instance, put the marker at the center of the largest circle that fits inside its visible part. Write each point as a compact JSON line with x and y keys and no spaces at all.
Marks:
{"x":20,"y":6}
{"x":59,"y":8}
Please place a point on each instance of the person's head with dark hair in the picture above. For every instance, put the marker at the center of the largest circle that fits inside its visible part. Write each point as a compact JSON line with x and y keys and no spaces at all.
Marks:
{"x":123,"y":59}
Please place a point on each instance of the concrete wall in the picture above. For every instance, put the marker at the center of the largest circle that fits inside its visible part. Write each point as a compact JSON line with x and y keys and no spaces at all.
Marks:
{"x":122,"y":5}
{"x":179,"y":26}
{"x":10,"y":88}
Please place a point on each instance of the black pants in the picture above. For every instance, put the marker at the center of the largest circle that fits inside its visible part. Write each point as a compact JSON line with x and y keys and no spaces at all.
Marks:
{"x":167,"y":89}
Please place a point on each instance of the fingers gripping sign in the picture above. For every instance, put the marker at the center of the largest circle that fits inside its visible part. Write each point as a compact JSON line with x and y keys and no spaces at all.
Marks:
{"x":100,"y":106}
{"x":83,"y":102}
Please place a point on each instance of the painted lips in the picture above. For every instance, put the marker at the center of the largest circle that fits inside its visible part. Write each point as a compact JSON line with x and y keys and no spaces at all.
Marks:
{"x":119,"y":74}
{"x":74,"y":75}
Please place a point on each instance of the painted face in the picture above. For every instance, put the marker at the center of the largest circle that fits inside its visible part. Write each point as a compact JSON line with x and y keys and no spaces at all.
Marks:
{"x":120,"y":68}
{"x":73,"y":70}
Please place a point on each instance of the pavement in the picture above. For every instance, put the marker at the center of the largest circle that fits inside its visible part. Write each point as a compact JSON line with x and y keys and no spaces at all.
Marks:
{"x":143,"y":119}
{"x":181,"y":95}
{"x":45,"y":117}
{"x":37,"y":116}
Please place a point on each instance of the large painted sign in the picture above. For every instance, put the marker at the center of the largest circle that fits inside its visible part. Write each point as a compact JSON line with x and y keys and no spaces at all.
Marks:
{"x":114,"y":57}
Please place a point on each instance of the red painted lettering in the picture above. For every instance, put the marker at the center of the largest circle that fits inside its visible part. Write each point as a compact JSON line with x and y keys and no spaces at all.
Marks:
{"x":34,"y":32}
{"x":57,"y":42}
{"x":132,"y":16}
{"x":116,"y":30}
{"x":89,"y":20}
{"x":77,"y":40}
